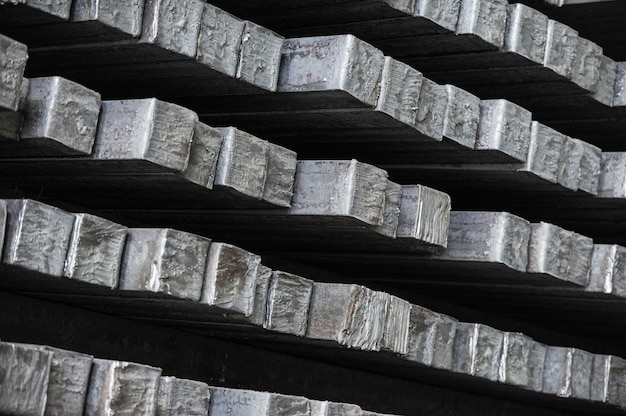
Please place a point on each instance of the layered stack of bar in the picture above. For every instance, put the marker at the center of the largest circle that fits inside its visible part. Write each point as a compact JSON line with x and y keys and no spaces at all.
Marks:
{"x":349,"y":195}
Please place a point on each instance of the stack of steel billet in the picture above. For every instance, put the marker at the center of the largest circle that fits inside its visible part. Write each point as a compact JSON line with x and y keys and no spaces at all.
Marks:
{"x":39,"y":380}
{"x":209,"y":53}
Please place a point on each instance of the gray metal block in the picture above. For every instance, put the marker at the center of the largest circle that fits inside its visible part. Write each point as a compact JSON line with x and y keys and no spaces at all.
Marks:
{"x":391,"y":212}
{"x":536,"y":364}
{"x":526,"y":32}
{"x":259,"y":57}
{"x":62,"y":114}
{"x":460,"y":121}
{"x":165,"y":261}
{"x":180,"y":397}
{"x":431,"y":109}
{"x":586,"y":65}
{"x":261,"y":288}
{"x":514,"y":369}
{"x":329,"y":63}
{"x":13,"y":57}
{"x":445,"y":13}
{"x":607,"y":271}
{"x":400,"y":91}
{"x":323,"y":408}
{"x":477,"y":350}
{"x":424,"y":215}
{"x":423,"y":347}
{"x":580,"y":259}
{"x":288,"y":301}
{"x":549,"y":250}
{"x":255,"y":403}
{"x":483,"y":18}
{"x":173,"y":25}
{"x":146,"y":129}
{"x":567,"y":372}
{"x":280,"y":176}
{"x":37,"y":236}
{"x":58,"y":8}
{"x":605,"y":93}
{"x":329,"y":311}
{"x":67,"y":385}
{"x":544,"y":152}
{"x":219,"y":41}
{"x":612,"y":181}
{"x":95,"y":251}
{"x":122,"y":388}
{"x":3,"y":223}
{"x":340,"y":188}
{"x":242,"y":163}
{"x":24,"y":374}
{"x":396,"y":330}
{"x":203,"y":154}
{"x":504,"y":127}
{"x":123,"y":15}
{"x":11,"y":121}
{"x":569,"y":171}
{"x":619,"y":98}
{"x":589,"y":171}
{"x":495,"y":237}
{"x":230,"y":278}
{"x":608,"y":380}
{"x":560,"y":47}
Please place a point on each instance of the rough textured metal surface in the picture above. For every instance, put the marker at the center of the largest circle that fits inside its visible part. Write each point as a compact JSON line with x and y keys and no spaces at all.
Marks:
{"x":477,"y":350}
{"x":165,"y":261}
{"x":431,"y":338}
{"x":95,"y":251}
{"x":329,"y":310}
{"x":253,"y":403}
{"x":399,"y":91}
{"x":122,"y":388}
{"x":608,"y":78}
{"x":339,"y":188}
{"x":3,"y":223}
{"x":24,"y":373}
{"x":37,"y":236}
{"x":391,"y":212}
{"x":123,"y":15}
{"x":560,"y":47}
{"x":203,"y":153}
{"x":497,"y":237}
{"x":544,"y":152}
{"x":526,"y":32}
{"x":431,"y":109}
{"x":259,"y":57}
{"x":619,"y":98}
{"x":242,"y":163}
{"x":180,"y":397}
{"x":173,"y":25}
{"x":280,"y":176}
{"x":62,"y":113}
{"x":586,"y":65}
{"x":483,"y":18}
{"x":13,"y":57}
{"x":230,"y":279}
{"x":504,"y":127}
{"x":513,"y":368}
{"x":329,"y":63}
{"x":569,"y":163}
{"x":219,"y":41}
{"x":582,"y":367}
{"x":366,"y":324}
{"x":589,"y":170}
{"x":607,"y":271}
{"x":612,"y":181}
{"x":396,"y":331}
{"x":262,"y":283}
{"x":567,"y":372}
{"x":536,"y":364}
{"x":445,"y":13}
{"x":11,"y":121}
{"x":608,"y":380}
{"x":288,"y":301}
{"x":460,"y":121}
{"x":549,"y":250}
{"x":424,"y":214}
{"x":67,"y":385}
{"x":58,"y":8}
{"x":320,"y":408}
{"x":146,"y":129}
{"x":580,"y":259}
